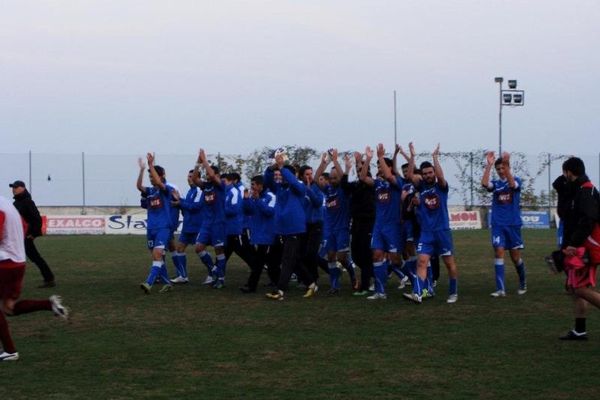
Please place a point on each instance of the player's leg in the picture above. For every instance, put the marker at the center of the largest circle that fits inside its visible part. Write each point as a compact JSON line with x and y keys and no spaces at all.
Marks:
{"x":380,"y":265}
{"x":499,"y":271}
{"x":34,"y":255}
{"x":202,"y":240}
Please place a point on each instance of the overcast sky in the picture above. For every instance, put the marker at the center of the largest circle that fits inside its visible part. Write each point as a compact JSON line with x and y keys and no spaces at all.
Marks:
{"x":124,"y":77}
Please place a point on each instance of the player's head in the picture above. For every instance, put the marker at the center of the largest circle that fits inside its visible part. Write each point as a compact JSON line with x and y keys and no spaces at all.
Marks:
{"x":190,"y":178}
{"x":235,"y":177}
{"x":388,"y":162}
{"x":160,"y":171}
{"x":573,"y":168}
{"x":428,"y":172}
{"x":335,"y":176}
{"x":404,"y":169}
{"x":500,"y":167}
{"x":227,"y":178}
{"x":277,"y":176}
{"x":323,"y":180}
{"x":306,"y":174}
{"x":257,"y":184}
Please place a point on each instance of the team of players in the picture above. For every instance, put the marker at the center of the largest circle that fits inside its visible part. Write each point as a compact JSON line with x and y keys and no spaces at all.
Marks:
{"x":292,"y":221}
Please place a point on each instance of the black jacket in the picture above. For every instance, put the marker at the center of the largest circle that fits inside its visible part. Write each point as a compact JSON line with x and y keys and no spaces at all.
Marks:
{"x":582,"y":214}
{"x":566,"y":193}
{"x":29,"y":212}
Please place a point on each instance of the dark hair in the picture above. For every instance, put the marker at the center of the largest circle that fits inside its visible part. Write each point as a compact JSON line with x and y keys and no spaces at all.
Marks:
{"x":258,"y":179}
{"x":290,"y":168}
{"x":325,"y":175}
{"x":215,"y":169}
{"x":498,"y":161}
{"x":405,"y":165}
{"x":191,"y":171}
{"x":303,"y":169}
{"x":159,"y":170}
{"x":574,"y":165}
{"x":234,"y":176}
{"x":388,"y":162}
{"x":425,"y":164}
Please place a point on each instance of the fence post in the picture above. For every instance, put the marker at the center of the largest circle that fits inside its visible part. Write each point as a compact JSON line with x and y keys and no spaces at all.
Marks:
{"x":83,"y":212}
{"x":30,"y":185}
{"x":471,"y":180}
{"x":549,"y":186}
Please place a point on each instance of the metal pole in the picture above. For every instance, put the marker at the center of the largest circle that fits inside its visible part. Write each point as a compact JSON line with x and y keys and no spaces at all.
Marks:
{"x":395,"y":124}
{"x":500,"y":120}
{"x":83,"y":212}
{"x":549,"y":186}
{"x":30,"y":187}
{"x":471,"y":164}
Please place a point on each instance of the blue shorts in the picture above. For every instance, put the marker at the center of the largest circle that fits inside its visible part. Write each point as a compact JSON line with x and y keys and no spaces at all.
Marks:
{"x":407,"y":232}
{"x":436,"y":243}
{"x":158,"y":238}
{"x":213,"y":235}
{"x":336,"y":241}
{"x":507,"y":237}
{"x":188,"y":237}
{"x":386,"y":238}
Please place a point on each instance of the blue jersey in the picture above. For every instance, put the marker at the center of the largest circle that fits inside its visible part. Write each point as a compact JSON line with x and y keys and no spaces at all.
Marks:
{"x":234,"y":215}
{"x":174,"y":210}
{"x":261,"y":214}
{"x":388,"y":201}
{"x":313,"y":204}
{"x":290,"y":218}
{"x":213,"y":197}
{"x":191,"y":208}
{"x":160,"y":213}
{"x":506,"y":203}
{"x":433,"y":207}
{"x":337,"y":209}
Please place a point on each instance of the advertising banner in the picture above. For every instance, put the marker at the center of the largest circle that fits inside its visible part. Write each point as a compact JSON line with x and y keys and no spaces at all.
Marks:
{"x":75,"y":224}
{"x":535,"y":219}
{"x":465,"y":220}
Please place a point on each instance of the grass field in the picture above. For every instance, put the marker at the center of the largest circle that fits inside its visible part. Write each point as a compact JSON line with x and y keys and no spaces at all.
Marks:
{"x":200,"y":343}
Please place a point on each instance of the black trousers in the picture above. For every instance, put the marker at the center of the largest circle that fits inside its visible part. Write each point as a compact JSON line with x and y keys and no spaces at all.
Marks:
{"x":264,"y":255}
{"x":362,"y":255}
{"x":314,"y":236}
{"x":293,"y":248}
{"x":240,"y":245}
{"x":34,"y":255}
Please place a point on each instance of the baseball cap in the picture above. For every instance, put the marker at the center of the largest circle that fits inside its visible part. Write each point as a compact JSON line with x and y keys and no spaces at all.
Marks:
{"x":17,"y":184}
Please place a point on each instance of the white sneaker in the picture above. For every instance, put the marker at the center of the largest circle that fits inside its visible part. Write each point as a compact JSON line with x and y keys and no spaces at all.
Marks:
{"x":498,"y":293}
{"x":165,"y":289}
{"x":208,"y":281}
{"x":179,"y":279}
{"x":9,"y":356}
{"x":522,"y":290}
{"x":372,"y":287}
{"x":57,"y":308}
{"x":403,"y":282}
{"x":453,"y":298}
{"x":377,"y":296}
{"x":413,"y":297}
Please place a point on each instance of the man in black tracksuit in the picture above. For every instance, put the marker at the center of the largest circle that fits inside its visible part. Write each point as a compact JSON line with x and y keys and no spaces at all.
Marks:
{"x":29,"y":212}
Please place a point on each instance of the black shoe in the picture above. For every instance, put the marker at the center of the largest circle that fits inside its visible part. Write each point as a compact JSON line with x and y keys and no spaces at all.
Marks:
{"x":333,"y":292}
{"x":246,"y":290}
{"x":572,"y":335}
{"x":48,"y":284}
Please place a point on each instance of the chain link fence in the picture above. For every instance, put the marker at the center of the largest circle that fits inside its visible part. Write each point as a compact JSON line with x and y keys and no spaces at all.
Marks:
{"x":109,"y":180}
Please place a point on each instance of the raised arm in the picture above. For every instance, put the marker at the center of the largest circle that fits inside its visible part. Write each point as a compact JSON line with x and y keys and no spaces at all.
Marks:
{"x":388,"y":175}
{"x":322,"y":166}
{"x":336,"y":163}
{"x":410,"y":173}
{"x":210,"y":173}
{"x":490,"y":158}
{"x":140,"y":178}
{"x":161,"y":185}
{"x":365,"y":167}
{"x":437,"y":167}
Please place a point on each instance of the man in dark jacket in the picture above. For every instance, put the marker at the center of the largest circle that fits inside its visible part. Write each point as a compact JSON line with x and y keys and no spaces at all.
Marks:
{"x":29,"y":212}
{"x":580,"y":235}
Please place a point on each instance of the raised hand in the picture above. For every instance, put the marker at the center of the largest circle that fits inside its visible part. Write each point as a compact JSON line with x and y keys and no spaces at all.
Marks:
{"x":141,"y":163}
{"x":150,"y":158}
{"x":411,"y":148}
{"x":347,"y":161}
{"x":380,"y":150}
{"x":398,"y":149}
{"x":357,"y":157}
{"x":334,"y":155}
{"x":436,"y":151}
{"x":506,"y":157}
{"x":324,"y":159}
{"x":369,"y":152}
{"x":490,"y":157}
{"x":201,"y":156}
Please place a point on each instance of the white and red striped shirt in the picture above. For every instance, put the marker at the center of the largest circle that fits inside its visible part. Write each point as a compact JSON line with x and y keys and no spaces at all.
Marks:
{"x":12,"y":243}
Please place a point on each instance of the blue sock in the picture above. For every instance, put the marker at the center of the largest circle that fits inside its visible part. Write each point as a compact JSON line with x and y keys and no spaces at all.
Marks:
{"x":183,"y":264}
{"x":418,"y":286}
{"x":334,"y":275}
{"x":522,"y":274}
{"x":350,"y":268}
{"x":154,"y":272}
{"x":380,"y":272}
{"x":429,"y":273}
{"x":207,"y":260}
{"x":396,"y":269}
{"x":176,"y":263}
{"x":411,"y":265}
{"x":499,"y":268}
{"x":164,"y":274}
{"x":452,"y":286}
{"x":221,"y":265}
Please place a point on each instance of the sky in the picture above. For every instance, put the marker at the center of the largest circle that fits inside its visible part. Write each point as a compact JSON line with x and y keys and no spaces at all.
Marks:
{"x":125,"y":77}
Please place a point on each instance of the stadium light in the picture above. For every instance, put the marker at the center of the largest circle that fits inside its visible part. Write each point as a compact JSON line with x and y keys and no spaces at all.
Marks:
{"x":509,"y":97}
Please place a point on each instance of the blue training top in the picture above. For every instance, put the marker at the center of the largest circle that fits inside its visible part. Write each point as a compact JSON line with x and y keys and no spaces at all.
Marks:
{"x":433,"y":207}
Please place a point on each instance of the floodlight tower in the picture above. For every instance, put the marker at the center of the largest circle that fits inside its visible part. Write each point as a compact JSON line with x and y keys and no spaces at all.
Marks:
{"x":509,"y":97}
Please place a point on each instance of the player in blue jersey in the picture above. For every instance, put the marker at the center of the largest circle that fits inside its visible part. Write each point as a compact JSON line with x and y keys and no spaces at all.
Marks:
{"x":191,"y":208}
{"x":237,"y":241}
{"x":290,"y":223}
{"x":160,"y":224}
{"x":336,"y":238}
{"x":386,"y":231}
{"x":259,"y":205}
{"x":506,"y":219}
{"x":212,"y":229}
{"x":436,"y":237}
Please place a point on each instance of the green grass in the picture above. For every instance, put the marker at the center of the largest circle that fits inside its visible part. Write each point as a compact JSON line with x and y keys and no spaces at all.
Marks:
{"x":197,"y":342}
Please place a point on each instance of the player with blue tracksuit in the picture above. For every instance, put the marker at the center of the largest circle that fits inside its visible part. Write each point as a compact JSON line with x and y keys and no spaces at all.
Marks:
{"x":191,"y":208}
{"x":436,"y":237}
{"x":386,"y":231}
{"x":160,"y":224}
{"x":506,"y":219}
{"x":290,"y":223}
{"x":259,"y":205}
{"x":313,"y":208}
{"x":237,"y":241}
{"x":336,"y":218}
{"x":212,"y":230}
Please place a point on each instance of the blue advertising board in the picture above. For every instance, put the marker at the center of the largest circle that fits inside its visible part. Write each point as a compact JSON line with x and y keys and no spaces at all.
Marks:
{"x":531,"y":219}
